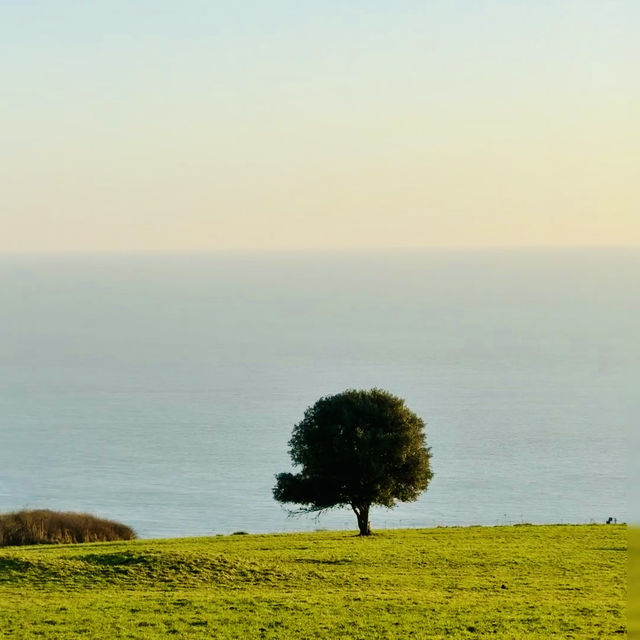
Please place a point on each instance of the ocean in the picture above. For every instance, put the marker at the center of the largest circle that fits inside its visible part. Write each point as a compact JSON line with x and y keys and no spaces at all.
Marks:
{"x":161,"y":389}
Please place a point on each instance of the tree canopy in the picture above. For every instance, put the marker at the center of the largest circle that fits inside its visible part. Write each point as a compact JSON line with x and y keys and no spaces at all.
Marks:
{"x":356,"y":449}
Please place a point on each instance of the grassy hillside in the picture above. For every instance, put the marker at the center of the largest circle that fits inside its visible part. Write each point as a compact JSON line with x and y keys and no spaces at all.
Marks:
{"x":510,"y":582}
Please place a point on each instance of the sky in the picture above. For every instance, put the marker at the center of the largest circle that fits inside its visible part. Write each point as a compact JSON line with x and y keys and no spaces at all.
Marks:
{"x":153,"y":125}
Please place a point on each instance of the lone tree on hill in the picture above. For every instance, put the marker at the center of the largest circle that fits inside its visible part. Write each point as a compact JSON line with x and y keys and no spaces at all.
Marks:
{"x":357,"y":449}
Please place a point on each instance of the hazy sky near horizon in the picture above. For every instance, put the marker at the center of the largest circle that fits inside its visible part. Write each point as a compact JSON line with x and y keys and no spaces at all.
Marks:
{"x":156,"y":125}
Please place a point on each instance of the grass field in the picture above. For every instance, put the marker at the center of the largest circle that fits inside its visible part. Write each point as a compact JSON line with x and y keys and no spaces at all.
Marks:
{"x":496,"y":582}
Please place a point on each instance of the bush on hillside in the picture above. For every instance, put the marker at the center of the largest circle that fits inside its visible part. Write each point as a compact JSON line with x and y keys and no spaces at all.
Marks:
{"x":43,"y":526}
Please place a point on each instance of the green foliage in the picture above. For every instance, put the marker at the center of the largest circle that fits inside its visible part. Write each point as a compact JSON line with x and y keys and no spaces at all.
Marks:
{"x":530,"y":582}
{"x":42,"y":526}
{"x":357,"y":449}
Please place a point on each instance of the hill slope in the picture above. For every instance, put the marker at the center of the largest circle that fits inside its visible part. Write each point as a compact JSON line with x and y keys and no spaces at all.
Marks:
{"x":511,"y":582}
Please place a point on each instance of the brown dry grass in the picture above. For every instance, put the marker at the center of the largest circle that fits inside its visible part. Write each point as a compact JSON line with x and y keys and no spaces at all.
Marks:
{"x":43,"y":526}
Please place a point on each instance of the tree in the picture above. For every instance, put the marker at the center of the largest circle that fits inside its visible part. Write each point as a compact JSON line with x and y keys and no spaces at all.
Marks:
{"x":357,"y":449}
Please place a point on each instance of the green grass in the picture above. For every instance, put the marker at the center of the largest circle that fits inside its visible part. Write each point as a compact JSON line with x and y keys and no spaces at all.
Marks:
{"x":494,"y":582}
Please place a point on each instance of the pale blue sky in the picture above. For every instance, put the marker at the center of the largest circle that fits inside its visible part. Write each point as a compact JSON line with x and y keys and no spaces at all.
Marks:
{"x":204,"y":125}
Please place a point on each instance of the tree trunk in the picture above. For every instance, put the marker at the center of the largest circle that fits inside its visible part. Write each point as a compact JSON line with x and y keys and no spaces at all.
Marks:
{"x":362,"y":513}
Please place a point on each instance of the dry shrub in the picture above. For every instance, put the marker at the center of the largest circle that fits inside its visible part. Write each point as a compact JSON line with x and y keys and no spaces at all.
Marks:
{"x":42,"y":526}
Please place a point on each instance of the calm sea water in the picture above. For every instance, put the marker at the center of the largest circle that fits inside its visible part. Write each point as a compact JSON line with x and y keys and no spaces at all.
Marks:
{"x":162,"y":390}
